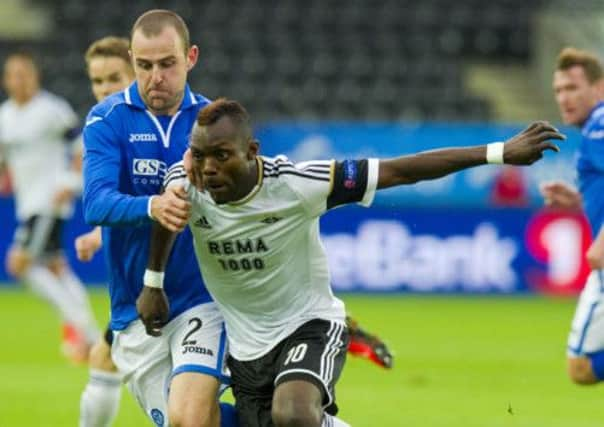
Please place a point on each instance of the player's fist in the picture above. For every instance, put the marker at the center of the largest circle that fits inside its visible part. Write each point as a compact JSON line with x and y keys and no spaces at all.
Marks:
{"x":88,"y":244}
{"x":153,"y":308}
{"x":172,"y":208}
{"x":528,"y":146}
{"x":558,"y":194}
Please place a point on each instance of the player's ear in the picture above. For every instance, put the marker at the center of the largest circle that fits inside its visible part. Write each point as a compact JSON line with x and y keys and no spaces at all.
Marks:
{"x":192,"y":57}
{"x":253,"y":148}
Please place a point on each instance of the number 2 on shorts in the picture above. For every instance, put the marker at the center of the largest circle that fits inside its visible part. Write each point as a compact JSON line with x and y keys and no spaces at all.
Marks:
{"x":197,"y":326}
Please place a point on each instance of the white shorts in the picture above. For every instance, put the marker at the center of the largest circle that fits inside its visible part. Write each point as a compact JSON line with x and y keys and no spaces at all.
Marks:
{"x":587,"y":329}
{"x":194,"y":341}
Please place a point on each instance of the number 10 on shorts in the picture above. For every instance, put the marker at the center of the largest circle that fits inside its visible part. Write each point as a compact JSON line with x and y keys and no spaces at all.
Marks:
{"x":296,"y":354}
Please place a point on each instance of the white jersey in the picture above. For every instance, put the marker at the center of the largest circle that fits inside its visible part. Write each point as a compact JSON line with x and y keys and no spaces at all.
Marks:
{"x":32,"y":137}
{"x":261,"y":257}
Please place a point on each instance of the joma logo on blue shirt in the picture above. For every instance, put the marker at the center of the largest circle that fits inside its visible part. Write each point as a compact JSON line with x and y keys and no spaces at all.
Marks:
{"x":142,"y":137}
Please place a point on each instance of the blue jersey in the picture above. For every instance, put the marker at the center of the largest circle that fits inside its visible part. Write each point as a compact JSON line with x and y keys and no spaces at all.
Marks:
{"x":590,"y":167}
{"x":127,"y":151}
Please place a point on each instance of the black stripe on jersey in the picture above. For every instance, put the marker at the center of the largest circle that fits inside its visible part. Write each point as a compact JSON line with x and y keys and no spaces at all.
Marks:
{"x":174,"y":177}
{"x":349,"y":182}
{"x":311,"y":170}
{"x":323,"y":165}
{"x":174,"y":170}
{"x":297,"y":173}
{"x":319,"y":174}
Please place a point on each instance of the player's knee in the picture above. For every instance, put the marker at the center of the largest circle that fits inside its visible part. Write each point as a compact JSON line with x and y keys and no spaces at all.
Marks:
{"x":56,"y":265}
{"x":187,"y":415}
{"x":100,"y":357}
{"x":580,"y":371}
{"x":293,"y":413}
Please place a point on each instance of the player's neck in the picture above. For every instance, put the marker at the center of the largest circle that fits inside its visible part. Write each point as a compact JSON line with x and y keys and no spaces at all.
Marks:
{"x":24,"y":100}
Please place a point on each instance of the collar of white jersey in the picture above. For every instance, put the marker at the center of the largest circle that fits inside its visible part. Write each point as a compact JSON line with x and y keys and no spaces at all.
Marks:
{"x":132,"y":97}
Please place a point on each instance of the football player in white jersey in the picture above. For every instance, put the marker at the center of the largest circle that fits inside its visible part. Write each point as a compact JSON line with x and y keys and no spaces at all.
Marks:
{"x":35,"y":126}
{"x":109,"y":70}
{"x":255,"y":222}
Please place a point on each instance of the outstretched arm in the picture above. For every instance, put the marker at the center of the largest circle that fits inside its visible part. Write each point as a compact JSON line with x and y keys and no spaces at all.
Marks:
{"x":524,"y":148}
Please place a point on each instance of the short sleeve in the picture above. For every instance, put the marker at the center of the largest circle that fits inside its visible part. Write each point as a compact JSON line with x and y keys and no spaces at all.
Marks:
{"x":311,"y":181}
{"x":326,"y":184}
{"x":64,"y":120}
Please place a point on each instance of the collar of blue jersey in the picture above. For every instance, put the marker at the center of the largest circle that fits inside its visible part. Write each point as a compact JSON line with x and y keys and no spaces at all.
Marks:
{"x":133,"y":97}
{"x":598,"y":105}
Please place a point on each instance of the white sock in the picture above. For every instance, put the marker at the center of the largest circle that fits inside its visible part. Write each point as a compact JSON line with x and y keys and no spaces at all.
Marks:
{"x":331,"y":421}
{"x":100,"y":399}
{"x":45,"y":284}
{"x":78,"y":292}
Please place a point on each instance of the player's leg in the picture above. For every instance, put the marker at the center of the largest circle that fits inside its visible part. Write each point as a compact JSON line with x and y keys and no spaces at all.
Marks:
{"x":252,"y":383}
{"x":365,"y":344}
{"x":78,"y":296}
{"x":59,"y":266}
{"x":100,"y":399}
{"x":37,"y":240}
{"x":309,"y":365}
{"x":146,"y":366}
{"x":586,"y":339}
{"x":198,"y":347}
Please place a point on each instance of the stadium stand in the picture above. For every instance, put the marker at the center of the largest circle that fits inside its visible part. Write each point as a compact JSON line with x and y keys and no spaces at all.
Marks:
{"x":372,"y":60}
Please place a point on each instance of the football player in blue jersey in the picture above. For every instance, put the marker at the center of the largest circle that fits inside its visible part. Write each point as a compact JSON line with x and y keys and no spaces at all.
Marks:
{"x":130,"y":139}
{"x":578,"y":85}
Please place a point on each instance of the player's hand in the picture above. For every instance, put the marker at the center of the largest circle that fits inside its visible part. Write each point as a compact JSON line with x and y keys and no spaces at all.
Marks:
{"x":153,"y":308}
{"x":18,"y":261}
{"x":172,"y":209}
{"x":558,"y":194}
{"x":192,"y":174}
{"x":528,"y":146}
{"x":595,"y":255}
{"x":88,"y":244}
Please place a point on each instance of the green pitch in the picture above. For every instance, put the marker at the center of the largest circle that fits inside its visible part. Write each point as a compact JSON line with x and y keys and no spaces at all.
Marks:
{"x":460,"y":362}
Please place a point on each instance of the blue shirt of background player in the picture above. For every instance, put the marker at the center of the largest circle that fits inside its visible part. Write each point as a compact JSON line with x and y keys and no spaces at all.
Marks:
{"x":590,"y":167}
{"x":127,"y":151}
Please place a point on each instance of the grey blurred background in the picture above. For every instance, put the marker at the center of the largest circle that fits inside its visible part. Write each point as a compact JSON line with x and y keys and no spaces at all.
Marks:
{"x":367,"y":60}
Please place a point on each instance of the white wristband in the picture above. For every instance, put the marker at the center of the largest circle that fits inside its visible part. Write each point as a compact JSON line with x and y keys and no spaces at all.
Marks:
{"x":149,"y":207}
{"x":495,"y":153}
{"x":153,"y":279}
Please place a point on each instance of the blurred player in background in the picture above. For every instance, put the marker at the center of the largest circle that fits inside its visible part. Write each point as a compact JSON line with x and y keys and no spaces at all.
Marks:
{"x":35,"y":129}
{"x":130,"y":139}
{"x":578,"y":85}
{"x":109,"y":70}
{"x":255,"y":222}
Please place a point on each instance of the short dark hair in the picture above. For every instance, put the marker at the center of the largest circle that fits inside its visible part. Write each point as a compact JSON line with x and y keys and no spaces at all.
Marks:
{"x":152,"y":22}
{"x":223,"y":107}
{"x":110,"y":46}
{"x":570,"y":57}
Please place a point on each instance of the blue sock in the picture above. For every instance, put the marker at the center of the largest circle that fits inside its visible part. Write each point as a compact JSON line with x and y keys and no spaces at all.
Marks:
{"x":228,"y":415}
{"x":597,"y":364}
